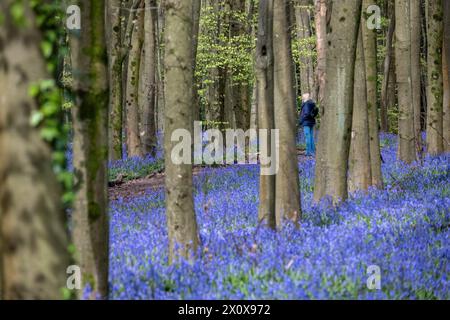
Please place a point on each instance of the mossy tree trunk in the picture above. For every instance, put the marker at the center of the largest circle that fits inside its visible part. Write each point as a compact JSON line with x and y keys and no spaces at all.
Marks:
{"x":369,"y":41}
{"x":435,"y":28}
{"x":90,"y":147}
{"x":446,"y":75}
{"x":181,"y":220}
{"x":33,"y":238}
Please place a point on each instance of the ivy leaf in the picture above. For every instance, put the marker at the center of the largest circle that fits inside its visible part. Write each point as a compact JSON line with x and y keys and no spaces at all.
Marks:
{"x":47,"y":48}
{"x":36,"y":118}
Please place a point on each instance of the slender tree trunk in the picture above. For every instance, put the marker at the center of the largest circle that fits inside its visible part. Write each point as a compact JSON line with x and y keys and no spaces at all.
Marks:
{"x":416,"y":74}
{"x":160,"y":74}
{"x":388,"y":67}
{"x":405,"y":100}
{"x":196,"y":10}
{"x":90,"y":147}
{"x":322,"y":8}
{"x":115,"y":25}
{"x":435,"y":28}
{"x":265,"y":102}
{"x":446,"y":76}
{"x":303,"y":21}
{"x":287,"y":202}
{"x":360,"y":173}
{"x":370,"y":57}
{"x":322,"y":12}
{"x":33,"y":235}
{"x":147,"y":87}
{"x":181,"y":221}
{"x":333,"y":155}
{"x":134,"y":148}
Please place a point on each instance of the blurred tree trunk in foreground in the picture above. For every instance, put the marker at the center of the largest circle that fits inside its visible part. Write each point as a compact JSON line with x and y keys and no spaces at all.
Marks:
{"x":90,"y":147}
{"x":33,"y":235}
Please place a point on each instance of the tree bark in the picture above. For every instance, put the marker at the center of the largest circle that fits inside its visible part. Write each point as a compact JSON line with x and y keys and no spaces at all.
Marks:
{"x":369,"y":41}
{"x":406,"y":132}
{"x":33,"y":235}
{"x":332,"y":156}
{"x":416,"y":74}
{"x":90,"y":148}
{"x":134,"y":148}
{"x":446,"y":76}
{"x":181,"y":221}
{"x":435,"y":28}
{"x":265,"y":103}
{"x":360,"y":172}
{"x":388,"y":67}
{"x":303,"y":21}
{"x":147,"y":87}
{"x":321,"y":13}
{"x":287,"y":202}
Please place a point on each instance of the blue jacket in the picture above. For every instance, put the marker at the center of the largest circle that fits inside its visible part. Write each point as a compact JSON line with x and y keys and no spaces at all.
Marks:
{"x":308,"y":114}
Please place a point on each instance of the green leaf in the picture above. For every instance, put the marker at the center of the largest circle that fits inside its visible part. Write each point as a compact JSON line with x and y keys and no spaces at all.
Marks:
{"x":47,"y":48}
{"x":36,"y":118}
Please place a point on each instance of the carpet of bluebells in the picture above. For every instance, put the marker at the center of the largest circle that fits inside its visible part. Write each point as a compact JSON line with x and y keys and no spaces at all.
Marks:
{"x":403,"y":229}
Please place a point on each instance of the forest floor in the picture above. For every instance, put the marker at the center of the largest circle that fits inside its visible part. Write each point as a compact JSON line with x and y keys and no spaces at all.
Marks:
{"x":401,"y":232}
{"x":126,"y":189}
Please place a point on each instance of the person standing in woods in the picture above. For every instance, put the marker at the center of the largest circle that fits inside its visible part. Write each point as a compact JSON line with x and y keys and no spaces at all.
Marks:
{"x":308,"y":115}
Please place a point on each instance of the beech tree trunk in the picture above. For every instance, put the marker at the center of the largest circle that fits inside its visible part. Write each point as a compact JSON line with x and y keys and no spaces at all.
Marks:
{"x":90,"y":148}
{"x":147,"y":86}
{"x":287,"y":202}
{"x":181,"y":221}
{"x":416,"y":74}
{"x":369,"y":41}
{"x":406,"y":132}
{"x":389,"y":66}
{"x":446,"y":75}
{"x":33,"y":235}
{"x":303,"y":21}
{"x":435,"y":28}
{"x":332,"y":156}
{"x":132,"y":87}
{"x":360,"y":173}
{"x":265,"y":103}
{"x":321,"y":13}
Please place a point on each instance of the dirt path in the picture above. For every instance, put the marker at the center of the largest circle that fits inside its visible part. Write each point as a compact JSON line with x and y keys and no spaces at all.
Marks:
{"x":138,"y":187}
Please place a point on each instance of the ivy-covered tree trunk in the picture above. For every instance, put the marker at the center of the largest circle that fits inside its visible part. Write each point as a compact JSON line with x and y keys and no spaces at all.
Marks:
{"x":369,"y":41}
{"x":147,"y":85}
{"x":446,"y":76}
{"x":265,"y":103}
{"x":338,"y":102}
{"x":435,"y":28}
{"x":90,"y":147}
{"x":33,"y":236}
{"x":181,"y":220}
{"x":360,"y":172}
{"x":406,"y":133}
{"x":132,"y":86}
{"x":287,"y":186}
